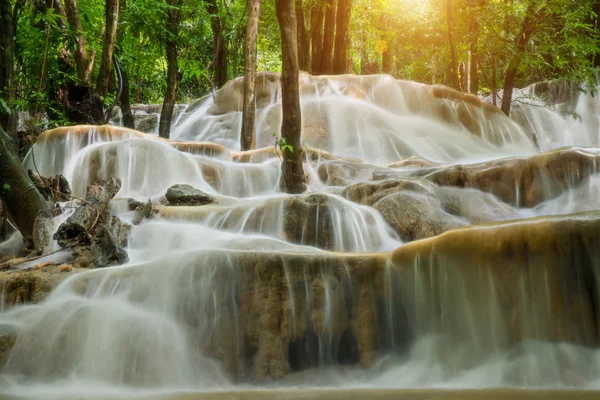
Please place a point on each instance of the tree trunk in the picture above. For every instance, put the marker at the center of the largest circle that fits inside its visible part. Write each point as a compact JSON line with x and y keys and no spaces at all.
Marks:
{"x":316,"y":34}
{"x":19,"y":195}
{"x":494,"y":81}
{"x":341,"y":36}
{"x":110,"y":33}
{"x":328,"y":37}
{"x":125,"y":101}
{"x":521,"y":47}
{"x":84,"y":66}
{"x":166,"y":114}
{"x":386,"y":56}
{"x":75,"y":229}
{"x":476,"y":8}
{"x":453,"y":59}
{"x":60,"y":10}
{"x":292,"y":171}
{"x":303,"y":38}
{"x":8,"y":117}
{"x":128,"y":120}
{"x":248,"y":135}
{"x":220,"y":60}
{"x":597,"y":24}
{"x":138,"y":90}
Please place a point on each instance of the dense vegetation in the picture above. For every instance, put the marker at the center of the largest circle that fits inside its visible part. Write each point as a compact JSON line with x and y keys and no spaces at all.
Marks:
{"x":471,"y":45}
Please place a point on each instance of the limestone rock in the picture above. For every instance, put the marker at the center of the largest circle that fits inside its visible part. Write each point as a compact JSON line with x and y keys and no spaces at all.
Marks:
{"x":308,"y":220}
{"x":524,"y":182}
{"x":142,"y":210}
{"x":416,"y":215}
{"x":30,"y":286}
{"x":538,"y":279}
{"x":412,"y":162}
{"x":343,"y":173}
{"x":8,"y":338}
{"x":418,"y":209}
{"x":187,"y":195}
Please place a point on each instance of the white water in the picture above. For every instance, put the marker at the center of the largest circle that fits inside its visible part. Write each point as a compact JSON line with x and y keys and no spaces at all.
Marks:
{"x":141,"y":327}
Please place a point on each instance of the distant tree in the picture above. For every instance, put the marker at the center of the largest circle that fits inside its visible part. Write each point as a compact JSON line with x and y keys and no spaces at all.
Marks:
{"x":220,"y":45}
{"x":110,"y":34}
{"x":451,"y":42}
{"x":171,"y":35}
{"x":316,"y":36}
{"x":328,"y":37}
{"x":342,"y":36}
{"x":8,"y":117}
{"x":303,"y":38}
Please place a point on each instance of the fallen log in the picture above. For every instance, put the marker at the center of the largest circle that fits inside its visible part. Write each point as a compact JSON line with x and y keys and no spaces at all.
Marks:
{"x":55,"y":188}
{"x":76,"y":229}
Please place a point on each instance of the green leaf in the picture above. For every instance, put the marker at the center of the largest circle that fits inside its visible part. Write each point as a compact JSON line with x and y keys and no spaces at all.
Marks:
{"x":6,"y":187}
{"x":4,"y":108}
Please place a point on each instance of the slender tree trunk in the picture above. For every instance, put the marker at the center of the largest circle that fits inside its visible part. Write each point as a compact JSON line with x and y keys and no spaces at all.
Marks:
{"x":328,"y":37}
{"x":17,"y":192}
{"x":476,"y":8}
{"x":494,"y":81}
{"x":342,"y":36}
{"x":248,"y":136}
{"x":316,"y":34}
{"x":364,"y":61}
{"x":8,"y":117}
{"x":128,"y":120}
{"x":303,"y":38}
{"x":138,"y":89}
{"x":386,"y":56}
{"x":110,"y":33}
{"x":521,"y":47}
{"x":292,"y":171}
{"x":125,"y":101}
{"x":84,"y":65}
{"x":220,"y":63}
{"x":597,"y":25}
{"x":166,"y":115}
{"x":453,"y":59}
{"x":60,"y":10}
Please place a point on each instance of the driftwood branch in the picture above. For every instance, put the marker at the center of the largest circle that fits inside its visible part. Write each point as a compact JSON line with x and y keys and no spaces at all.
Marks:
{"x":77,"y":227}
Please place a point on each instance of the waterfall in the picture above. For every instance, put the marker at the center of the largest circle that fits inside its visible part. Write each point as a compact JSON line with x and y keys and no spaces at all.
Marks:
{"x":440,"y":245}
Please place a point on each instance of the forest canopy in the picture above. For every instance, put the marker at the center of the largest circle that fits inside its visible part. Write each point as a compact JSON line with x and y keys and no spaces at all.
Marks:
{"x":470,"y":45}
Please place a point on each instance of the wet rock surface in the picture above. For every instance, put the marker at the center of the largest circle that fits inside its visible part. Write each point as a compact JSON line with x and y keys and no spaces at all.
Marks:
{"x":522,"y":182}
{"x":555,"y":258}
{"x":418,"y":209}
{"x":297,"y":311}
{"x":187,"y":195}
{"x":31,"y":285}
{"x":97,"y":236}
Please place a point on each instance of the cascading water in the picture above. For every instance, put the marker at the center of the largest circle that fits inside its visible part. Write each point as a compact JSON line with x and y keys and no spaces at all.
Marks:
{"x":264,"y":290}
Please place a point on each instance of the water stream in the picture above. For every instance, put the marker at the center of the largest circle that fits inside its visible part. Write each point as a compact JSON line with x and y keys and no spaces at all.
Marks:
{"x":269,"y":291}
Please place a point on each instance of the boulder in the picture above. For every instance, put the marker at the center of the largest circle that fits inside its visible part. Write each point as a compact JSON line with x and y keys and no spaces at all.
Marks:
{"x":8,"y":338}
{"x":416,"y":215}
{"x":32,"y":285}
{"x":187,"y":195}
{"x":499,"y":284}
{"x":418,"y":209}
{"x":97,"y":236}
{"x":524,"y":181}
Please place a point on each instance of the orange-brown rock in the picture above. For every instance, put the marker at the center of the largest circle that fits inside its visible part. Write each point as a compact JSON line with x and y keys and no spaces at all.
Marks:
{"x":502,"y":283}
{"x":31,"y":285}
{"x":524,"y":181}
